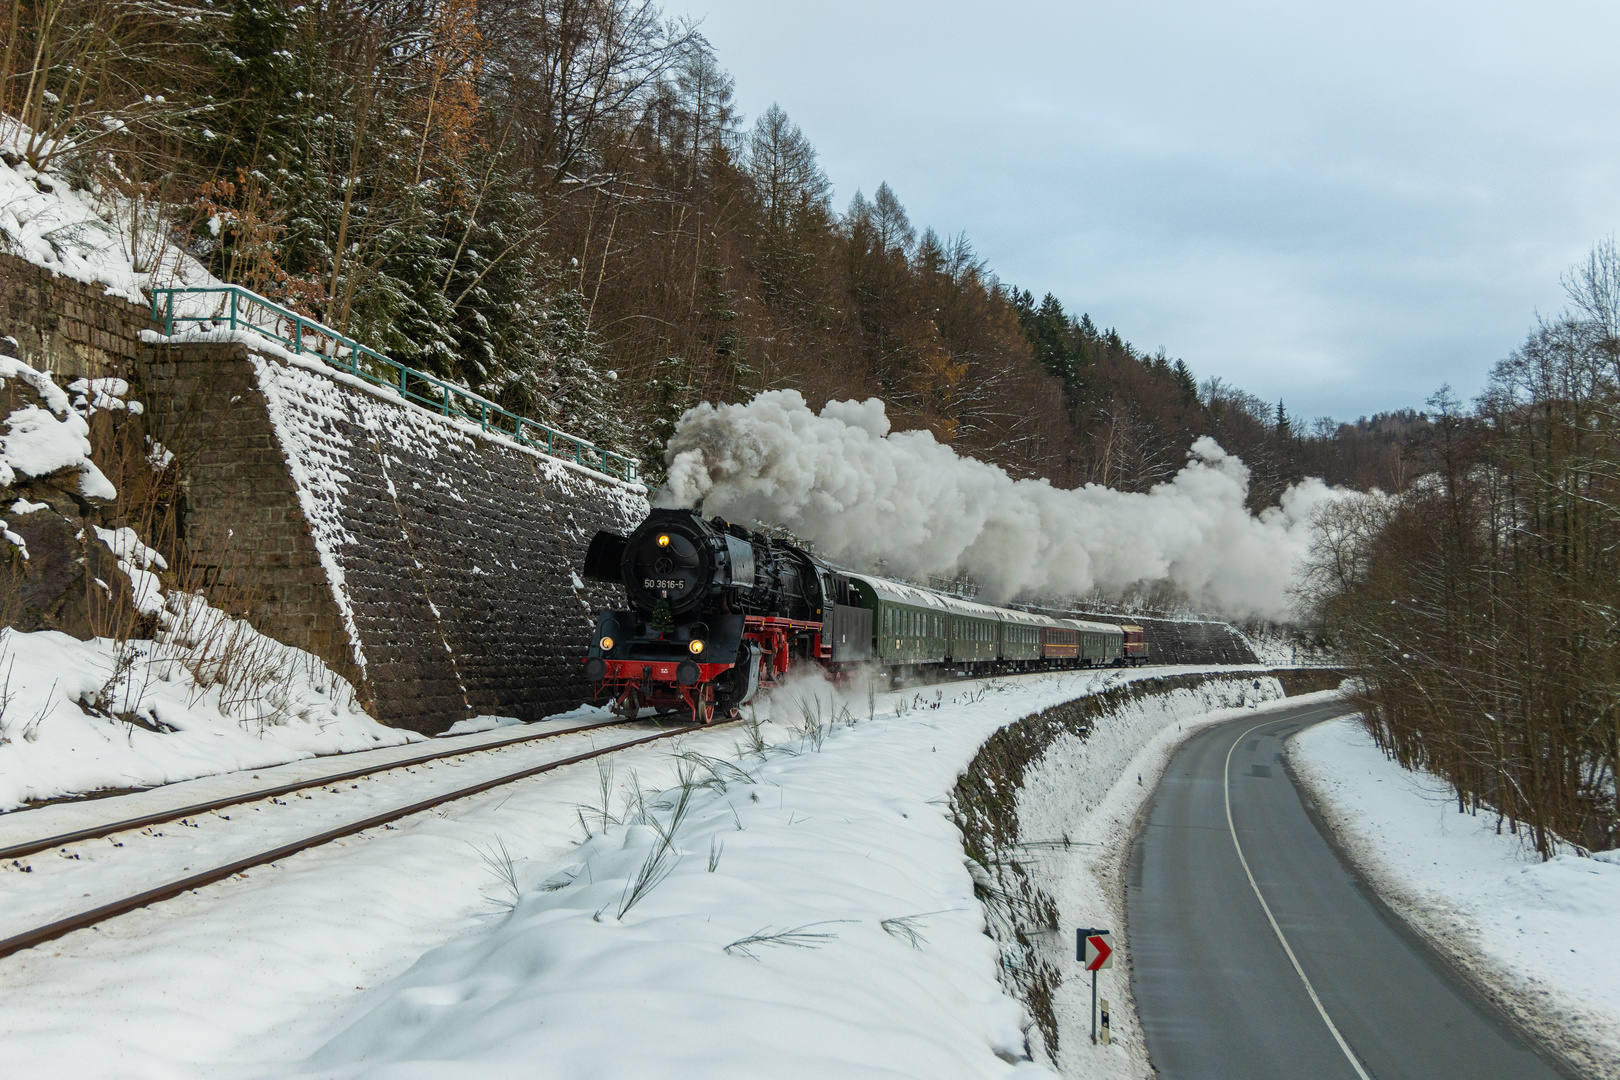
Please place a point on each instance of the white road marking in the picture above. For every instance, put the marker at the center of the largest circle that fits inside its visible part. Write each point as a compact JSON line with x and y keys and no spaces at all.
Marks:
{"x":1226,"y":788}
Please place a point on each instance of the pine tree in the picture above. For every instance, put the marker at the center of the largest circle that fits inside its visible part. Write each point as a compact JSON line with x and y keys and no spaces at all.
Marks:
{"x":671,"y":396}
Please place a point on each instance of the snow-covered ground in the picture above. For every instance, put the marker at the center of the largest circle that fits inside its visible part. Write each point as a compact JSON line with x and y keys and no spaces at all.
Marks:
{"x":1544,"y":935}
{"x":809,"y":914}
{"x":210,"y":695}
{"x":90,"y":235}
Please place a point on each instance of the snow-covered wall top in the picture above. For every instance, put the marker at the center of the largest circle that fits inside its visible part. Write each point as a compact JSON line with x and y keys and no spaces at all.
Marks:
{"x":431,"y":564}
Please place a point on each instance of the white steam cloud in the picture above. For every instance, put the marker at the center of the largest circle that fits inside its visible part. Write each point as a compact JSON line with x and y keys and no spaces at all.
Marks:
{"x":862,"y":494}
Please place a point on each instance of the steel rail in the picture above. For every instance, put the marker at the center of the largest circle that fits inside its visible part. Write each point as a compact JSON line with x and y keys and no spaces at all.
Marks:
{"x":159,"y":817}
{"x":61,"y":927}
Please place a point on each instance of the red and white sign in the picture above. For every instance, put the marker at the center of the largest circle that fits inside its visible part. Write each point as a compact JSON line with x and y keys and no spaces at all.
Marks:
{"x":1099,"y":950}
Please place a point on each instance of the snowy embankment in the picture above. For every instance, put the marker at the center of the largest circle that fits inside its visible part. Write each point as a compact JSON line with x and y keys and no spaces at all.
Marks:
{"x":209,"y":695}
{"x":92,"y":234}
{"x":1541,"y":937}
{"x":803,"y":909}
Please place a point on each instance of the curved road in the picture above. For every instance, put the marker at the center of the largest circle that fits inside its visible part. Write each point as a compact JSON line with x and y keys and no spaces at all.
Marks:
{"x":1227,"y":867}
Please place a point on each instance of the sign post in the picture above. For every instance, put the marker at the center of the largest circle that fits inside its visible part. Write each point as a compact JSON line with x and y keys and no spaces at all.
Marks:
{"x":1095,"y":949}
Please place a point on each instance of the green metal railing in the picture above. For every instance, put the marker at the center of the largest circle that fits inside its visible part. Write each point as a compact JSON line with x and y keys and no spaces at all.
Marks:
{"x":242,"y":309}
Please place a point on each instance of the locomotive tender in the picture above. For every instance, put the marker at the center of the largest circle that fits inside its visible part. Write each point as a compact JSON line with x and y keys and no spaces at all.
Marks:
{"x":717,"y":612}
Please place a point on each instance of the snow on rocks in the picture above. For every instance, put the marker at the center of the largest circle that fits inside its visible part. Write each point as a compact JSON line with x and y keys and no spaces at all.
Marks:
{"x":1542,"y":935}
{"x":136,"y":560}
{"x":40,"y":441}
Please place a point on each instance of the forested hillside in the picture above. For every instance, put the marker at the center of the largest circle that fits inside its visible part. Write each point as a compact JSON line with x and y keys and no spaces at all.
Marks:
{"x":1482,"y":607}
{"x":556,"y":203}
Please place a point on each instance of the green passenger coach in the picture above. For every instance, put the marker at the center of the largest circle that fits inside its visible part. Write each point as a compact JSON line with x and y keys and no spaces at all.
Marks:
{"x":918,"y":628}
{"x":1021,"y":636}
{"x":975,"y":632}
{"x":1101,"y":644}
{"x":910,"y":625}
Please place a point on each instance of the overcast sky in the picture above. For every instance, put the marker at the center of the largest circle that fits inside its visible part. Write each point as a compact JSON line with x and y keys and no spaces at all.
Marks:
{"x":1342,"y":206}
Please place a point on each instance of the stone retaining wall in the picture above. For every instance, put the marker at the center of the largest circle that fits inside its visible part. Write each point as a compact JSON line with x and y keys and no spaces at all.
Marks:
{"x":1171,"y":641}
{"x":432,"y":564}
{"x":65,"y":326}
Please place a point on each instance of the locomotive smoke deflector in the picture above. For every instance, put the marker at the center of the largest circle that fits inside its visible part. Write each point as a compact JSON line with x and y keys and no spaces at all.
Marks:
{"x":602,"y":558}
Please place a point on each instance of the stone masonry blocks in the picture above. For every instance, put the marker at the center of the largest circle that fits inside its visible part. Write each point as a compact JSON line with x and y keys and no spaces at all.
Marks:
{"x":455,"y":552}
{"x":67,"y":326}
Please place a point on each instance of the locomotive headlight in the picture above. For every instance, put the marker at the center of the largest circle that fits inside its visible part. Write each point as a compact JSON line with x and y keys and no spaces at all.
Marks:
{"x":663,"y":539}
{"x":606,"y":643}
{"x":695,"y":647}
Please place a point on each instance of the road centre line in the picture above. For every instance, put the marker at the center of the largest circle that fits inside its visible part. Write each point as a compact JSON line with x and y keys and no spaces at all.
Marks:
{"x":1226,"y":788}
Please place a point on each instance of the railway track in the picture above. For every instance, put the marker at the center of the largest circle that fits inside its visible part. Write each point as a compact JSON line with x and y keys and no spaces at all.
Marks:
{"x":94,"y":832}
{"x":85,"y":919}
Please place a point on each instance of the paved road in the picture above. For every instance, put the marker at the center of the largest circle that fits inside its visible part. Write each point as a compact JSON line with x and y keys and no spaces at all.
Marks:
{"x":1219,"y":994}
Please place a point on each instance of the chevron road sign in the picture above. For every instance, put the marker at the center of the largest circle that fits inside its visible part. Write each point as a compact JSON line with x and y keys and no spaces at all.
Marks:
{"x":1096,"y":949}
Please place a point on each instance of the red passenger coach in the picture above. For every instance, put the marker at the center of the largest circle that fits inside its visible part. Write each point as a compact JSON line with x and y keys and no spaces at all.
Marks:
{"x":1136,"y":649}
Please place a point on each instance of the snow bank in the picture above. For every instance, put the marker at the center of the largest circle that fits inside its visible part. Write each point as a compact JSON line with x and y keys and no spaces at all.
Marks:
{"x":209,"y":695}
{"x":865,"y":495}
{"x":798,"y":907}
{"x":1543,"y":935}
{"x":804,"y":912}
{"x":859,"y":831}
{"x":85,"y":234}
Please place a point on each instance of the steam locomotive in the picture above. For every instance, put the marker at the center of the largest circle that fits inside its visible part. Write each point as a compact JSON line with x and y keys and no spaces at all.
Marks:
{"x":716,"y":612}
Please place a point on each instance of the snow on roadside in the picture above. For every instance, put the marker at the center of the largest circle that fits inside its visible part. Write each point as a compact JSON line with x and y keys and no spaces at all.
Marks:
{"x":1543,"y":934}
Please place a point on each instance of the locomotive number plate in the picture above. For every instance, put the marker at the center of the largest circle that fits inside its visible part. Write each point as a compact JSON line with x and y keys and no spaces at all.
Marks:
{"x":662,"y":583}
